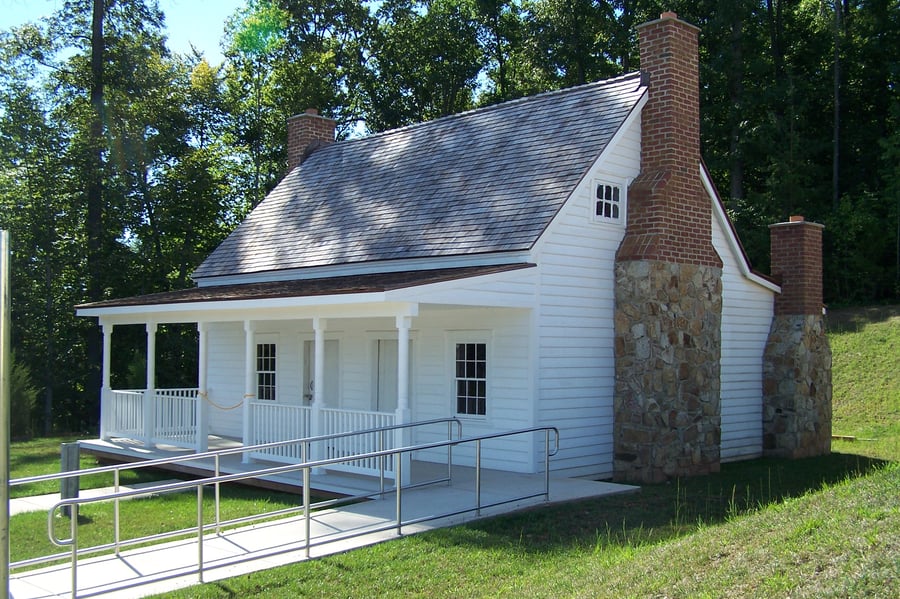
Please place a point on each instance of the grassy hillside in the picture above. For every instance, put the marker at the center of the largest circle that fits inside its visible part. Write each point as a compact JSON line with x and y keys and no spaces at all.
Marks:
{"x":865,"y":344}
{"x":821,"y":527}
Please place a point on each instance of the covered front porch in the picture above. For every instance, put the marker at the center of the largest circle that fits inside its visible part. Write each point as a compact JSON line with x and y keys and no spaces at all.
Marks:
{"x":271,"y":407}
{"x":288,"y":360}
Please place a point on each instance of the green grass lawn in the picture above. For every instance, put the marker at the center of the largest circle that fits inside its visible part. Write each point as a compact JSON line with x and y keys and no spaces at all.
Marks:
{"x":866,"y":367}
{"x":821,"y":527}
{"x":140,"y":518}
{"x":42,"y":456}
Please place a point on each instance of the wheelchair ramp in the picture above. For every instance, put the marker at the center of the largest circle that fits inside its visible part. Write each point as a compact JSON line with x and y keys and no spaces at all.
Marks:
{"x":168,"y":566}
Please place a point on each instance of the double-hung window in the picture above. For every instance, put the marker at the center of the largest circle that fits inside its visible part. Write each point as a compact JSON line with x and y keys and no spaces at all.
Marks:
{"x":471,"y":379}
{"x":265,"y":371}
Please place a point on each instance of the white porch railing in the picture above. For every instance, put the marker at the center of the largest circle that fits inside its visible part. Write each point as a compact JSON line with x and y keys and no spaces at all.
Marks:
{"x":173,"y":413}
{"x":175,"y":417}
{"x":174,"y":422}
{"x":274,"y":422}
{"x":345,"y":421}
{"x":123,"y":414}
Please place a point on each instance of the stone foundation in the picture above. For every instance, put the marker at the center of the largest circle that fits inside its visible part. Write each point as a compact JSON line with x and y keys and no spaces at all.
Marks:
{"x":667,"y":351}
{"x":797,"y":388}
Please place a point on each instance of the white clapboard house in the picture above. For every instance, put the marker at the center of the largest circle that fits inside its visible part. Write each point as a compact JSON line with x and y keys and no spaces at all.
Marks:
{"x":461,"y":267}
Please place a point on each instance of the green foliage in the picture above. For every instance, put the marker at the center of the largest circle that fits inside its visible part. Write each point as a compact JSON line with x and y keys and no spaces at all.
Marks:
{"x":425,"y":61}
{"x":185,"y":148}
{"x":858,"y":254}
{"x":23,"y":400}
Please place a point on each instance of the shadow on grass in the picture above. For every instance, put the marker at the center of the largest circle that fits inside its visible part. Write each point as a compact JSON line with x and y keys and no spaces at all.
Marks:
{"x":849,"y":320}
{"x":664,"y":511}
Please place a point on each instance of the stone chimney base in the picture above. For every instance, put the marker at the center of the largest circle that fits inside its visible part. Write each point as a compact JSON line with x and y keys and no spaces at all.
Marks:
{"x":667,"y":418}
{"x":797,"y":388}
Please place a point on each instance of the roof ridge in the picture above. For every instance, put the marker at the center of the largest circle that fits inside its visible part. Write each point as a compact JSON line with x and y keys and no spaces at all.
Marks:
{"x":499,"y":105}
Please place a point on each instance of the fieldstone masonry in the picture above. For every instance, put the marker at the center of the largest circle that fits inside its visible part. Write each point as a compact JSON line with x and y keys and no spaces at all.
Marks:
{"x":667,"y":349}
{"x":797,"y":388}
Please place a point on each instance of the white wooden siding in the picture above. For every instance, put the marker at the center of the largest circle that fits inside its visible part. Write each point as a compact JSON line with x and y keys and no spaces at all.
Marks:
{"x":746,"y":317}
{"x":574,"y":321}
{"x":431,"y":391}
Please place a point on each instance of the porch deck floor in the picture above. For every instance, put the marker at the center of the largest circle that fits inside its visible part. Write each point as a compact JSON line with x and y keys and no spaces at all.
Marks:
{"x":172,"y":565}
{"x":127,"y":450}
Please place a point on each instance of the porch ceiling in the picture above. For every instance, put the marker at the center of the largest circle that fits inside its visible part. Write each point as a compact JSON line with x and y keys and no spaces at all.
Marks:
{"x":360,"y":288}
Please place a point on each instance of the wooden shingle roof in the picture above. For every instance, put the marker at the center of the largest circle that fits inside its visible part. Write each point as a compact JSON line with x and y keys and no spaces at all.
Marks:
{"x":488,"y":180}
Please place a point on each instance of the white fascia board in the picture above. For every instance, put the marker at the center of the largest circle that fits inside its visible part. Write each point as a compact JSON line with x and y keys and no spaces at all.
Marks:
{"x":360,"y":305}
{"x":364,"y":268}
{"x":633,"y":116}
{"x":733,"y":244}
{"x":498,"y":299}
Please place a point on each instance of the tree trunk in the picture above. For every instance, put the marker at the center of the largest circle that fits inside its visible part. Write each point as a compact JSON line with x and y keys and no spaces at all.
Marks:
{"x":94,"y":221}
{"x":836,"y":137}
{"x":736,"y":96}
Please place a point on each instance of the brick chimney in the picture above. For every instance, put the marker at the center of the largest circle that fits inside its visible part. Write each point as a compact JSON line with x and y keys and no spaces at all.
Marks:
{"x":306,"y":133}
{"x":797,"y":359}
{"x":669,"y":213}
{"x":796,"y":258}
{"x":667,"y":419}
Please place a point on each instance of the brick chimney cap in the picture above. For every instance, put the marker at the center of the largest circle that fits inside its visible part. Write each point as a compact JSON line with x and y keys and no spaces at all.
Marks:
{"x":797,"y":221}
{"x":311,"y":111}
{"x":667,"y":17}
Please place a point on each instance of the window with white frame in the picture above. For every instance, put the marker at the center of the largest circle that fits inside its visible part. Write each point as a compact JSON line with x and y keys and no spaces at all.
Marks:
{"x":471,"y":379}
{"x":265,"y":371}
{"x":609,"y":202}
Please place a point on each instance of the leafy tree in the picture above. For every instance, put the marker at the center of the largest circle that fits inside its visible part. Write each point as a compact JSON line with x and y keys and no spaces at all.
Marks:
{"x":23,"y":399}
{"x":253,"y":38}
{"x":165,"y":189}
{"x":572,"y":41}
{"x":425,"y":60}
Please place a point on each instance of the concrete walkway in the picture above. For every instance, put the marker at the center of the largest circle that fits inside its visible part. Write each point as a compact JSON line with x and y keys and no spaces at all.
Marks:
{"x":173,"y":565}
{"x":42,"y":503}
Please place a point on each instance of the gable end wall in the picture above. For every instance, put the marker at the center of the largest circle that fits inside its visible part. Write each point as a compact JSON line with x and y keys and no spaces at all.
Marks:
{"x":574,"y":321}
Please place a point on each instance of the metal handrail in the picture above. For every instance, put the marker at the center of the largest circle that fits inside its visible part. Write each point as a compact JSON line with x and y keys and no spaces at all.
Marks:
{"x":229,"y":451}
{"x":216,"y":454}
{"x":306,"y":467}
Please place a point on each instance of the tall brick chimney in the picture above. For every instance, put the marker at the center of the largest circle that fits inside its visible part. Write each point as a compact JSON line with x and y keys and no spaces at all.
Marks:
{"x":797,"y":359}
{"x":306,"y":133}
{"x":667,"y":419}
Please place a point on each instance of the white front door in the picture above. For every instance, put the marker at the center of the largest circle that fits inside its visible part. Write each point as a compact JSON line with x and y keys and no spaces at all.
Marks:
{"x":332,"y":379}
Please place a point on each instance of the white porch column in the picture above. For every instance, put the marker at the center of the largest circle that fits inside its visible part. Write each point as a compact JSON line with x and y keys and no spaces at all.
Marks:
{"x":317,"y":418}
{"x":150,"y":390}
{"x":249,"y":383}
{"x":403,"y":325}
{"x":403,"y":437}
{"x":106,"y":388}
{"x":202,"y":391}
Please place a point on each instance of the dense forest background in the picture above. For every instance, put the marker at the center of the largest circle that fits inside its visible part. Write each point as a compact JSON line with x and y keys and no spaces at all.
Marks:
{"x":123,"y":165}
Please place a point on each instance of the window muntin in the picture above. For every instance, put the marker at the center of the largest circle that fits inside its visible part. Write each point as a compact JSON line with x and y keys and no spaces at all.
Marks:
{"x":609,"y":202}
{"x":265,"y":371}
{"x":471,"y":379}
